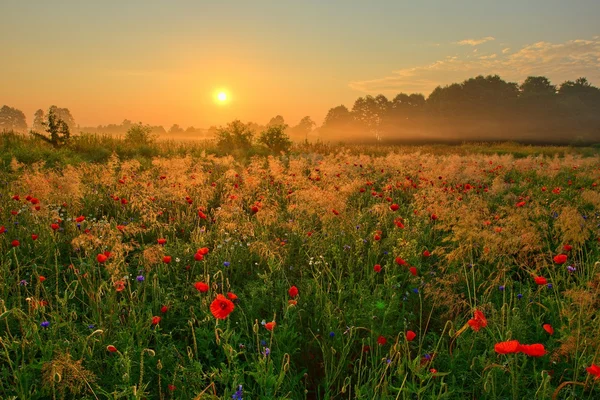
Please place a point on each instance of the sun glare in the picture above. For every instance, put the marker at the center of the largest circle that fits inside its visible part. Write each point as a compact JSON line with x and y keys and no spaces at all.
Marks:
{"x":222,"y":97}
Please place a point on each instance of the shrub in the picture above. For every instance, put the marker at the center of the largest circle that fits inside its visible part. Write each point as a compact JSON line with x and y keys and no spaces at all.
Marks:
{"x":275,"y":138}
{"x":235,"y":136}
{"x":140,"y":134}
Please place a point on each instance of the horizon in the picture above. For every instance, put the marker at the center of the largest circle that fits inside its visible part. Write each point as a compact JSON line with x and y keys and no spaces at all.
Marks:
{"x":108,"y":63}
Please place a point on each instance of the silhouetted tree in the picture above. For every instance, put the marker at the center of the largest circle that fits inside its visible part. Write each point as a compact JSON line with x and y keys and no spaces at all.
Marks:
{"x":235,"y":136}
{"x":277,"y":121}
{"x":64,"y":115}
{"x":175,"y":129}
{"x":304,"y":127}
{"x":38,"y":121}
{"x":12,"y":119}
{"x":275,"y":139}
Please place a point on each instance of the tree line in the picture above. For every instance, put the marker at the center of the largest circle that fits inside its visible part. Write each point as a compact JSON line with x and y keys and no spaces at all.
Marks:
{"x":479,"y":108}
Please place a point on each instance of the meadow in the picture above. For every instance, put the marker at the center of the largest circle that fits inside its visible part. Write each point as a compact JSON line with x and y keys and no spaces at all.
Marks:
{"x":175,"y":271}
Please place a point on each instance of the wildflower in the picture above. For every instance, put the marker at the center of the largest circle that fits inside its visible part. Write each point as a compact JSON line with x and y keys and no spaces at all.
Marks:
{"x":511,"y":346}
{"x":42,"y":278}
{"x":426,"y":253}
{"x":119,"y":286}
{"x":416,"y":290}
{"x":434,"y":217}
{"x":413,"y":271}
{"x":270,"y":325}
{"x":101,"y":258}
{"x":91,"y":326}
{"x":594,"y":370}
{"x":560,"y":259}
{"x":3,"y":229}
{"x":166,"y":259}
{"x":23,"y":283}
{"x":111,"y":348}
{"x":293,"y":291}
{"x":394,"y":207}
{"x":520,"y":204}
{"x":331,"y":334}
{"x":201,"y":287}
{"x":266,"y":352}
{"x":533,"y":350}
{"x":548,"y":328}
{"x":140,"y":278}
{"x":198,"y":257}
{"x":567,"y":247}
{"x":540,"y":280}
{"x":226,"y":264}
{"x":80,"y":219}
{"x":54,"y":226}
{"x":400,"y":261}
{"x":15,"y":243}
{"x":172,"y":387}
{"x":571,"y":269}
{"x":164,"y":309}
{"x":410,"y":336}
{"x":204,"y":251}
{"x":155,"y":320}
{"x":162,"y":241}
{"x":221,"y":307}
{"x":519,"y":296}
{"x":381,"y":340}
{"x":238,"y":394}
{"x":45,"y":324}
{"x":231,"y":296}
{"x":34,"y":236}
{"x":478,"y":321}
{"x":377,"y":268}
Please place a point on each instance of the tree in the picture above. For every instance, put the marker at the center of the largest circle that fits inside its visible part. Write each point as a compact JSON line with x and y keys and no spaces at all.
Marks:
{"x":175,"y":129}
{"x":275,"y":139}
{"x":277,"y":121}
{"x":337,"y":118}
{"x":59,"y":131}
{"x":139,"y":134}
{"x":12,"y":119}
{"x":235,"y":136}
{"x":370,"y":111}
{"x":64,"y":115}
{"x":537,"y":86}
{"x":304,"y":127}
{"x":38,"y":121}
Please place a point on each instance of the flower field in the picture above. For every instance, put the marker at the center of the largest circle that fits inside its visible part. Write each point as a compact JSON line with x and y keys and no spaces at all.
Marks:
{"x":401,"y":274}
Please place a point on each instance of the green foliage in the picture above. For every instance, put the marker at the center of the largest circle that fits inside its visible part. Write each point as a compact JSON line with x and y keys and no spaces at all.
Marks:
{"x":235,"y":137}
{"x":60,"y":133}
{"x":275,"y":138}
{"x":140,"y":135}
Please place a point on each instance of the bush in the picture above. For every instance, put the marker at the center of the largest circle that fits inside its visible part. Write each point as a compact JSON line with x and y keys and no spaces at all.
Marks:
{"x":275,"y":139}
{"x":140,"y":134}
{"x":236,"y":136}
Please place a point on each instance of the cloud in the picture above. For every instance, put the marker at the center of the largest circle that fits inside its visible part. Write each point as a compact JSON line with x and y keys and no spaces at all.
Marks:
{"x":506,"y":50}
{"x":475,"y":42}
{"x":557,"y":61}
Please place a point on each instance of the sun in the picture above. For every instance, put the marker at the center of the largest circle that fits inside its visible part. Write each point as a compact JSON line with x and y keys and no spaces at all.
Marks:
{"x":222,"y":97}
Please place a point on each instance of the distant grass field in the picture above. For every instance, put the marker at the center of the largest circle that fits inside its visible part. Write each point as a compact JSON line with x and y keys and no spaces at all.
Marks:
{"x":172,"y":270}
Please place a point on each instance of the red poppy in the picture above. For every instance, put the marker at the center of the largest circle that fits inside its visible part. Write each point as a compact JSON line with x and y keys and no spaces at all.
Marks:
{"x":410,"y":336}
{"x":231,"y":296}
{"x":511,"y":346}
{"x":270,"y":325}
{"x":478,"y":321}
{"x":155,"y":320}
{"x":162,"y":241}
{"x":119,"y":286}
{"x":111,"y":348}
{"x":221,"y":307}
{"x":201,"y":214}
{"x":172,"y":387}
{"x":2,"y":229}
{"x":198,"y":257}
{"x":81,"y":218}
{"x":167,"y":259}
{"x":413,"y":271}
{"x":381,"y":340}
{"x":336,"y":212}
{"x":34,"y":236}
{"x":426,"y":253}
{"x":400,"y":261}
{"x":567,"y":247}
{"x":254,"y":209}
{"x":376,"y":237}
{"x":292,"y":302}
{"x":394,"y":207}
{"x":121,"y":227}
{"x":42,"y":278}
{"x":434,"y":217}
{"x":204,"y":251}
{"x":164,"y":309}
{"x":16,"y":197}
{"x":540,"y":280}
{"x":548,"y":328}
{"x":520,"y":204}
{"x":377,"y":268}
{"x":101,"y":258}
{"x":594,"y":370}
{"x":560,"y":259}
{"x":54,"y":226}
{"x":201,"y":287}
{"x":15,"y":243}
{"x":533,"y":350}
{"x":293,"y":291}
{"x":398,"y":223}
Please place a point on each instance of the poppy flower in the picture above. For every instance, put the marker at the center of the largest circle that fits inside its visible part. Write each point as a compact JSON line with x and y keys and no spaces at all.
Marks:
{"x":101,"y":258}
{"x":111,"y":348}
{"x":270,"y":325}
{"x":201,"y":287}
{"x":201,"y":214}
{"x":221,"y":307}
{"x":377,"y":237}
{"x":231,"y":296}
{"x":533,"y":350}
{"x":121,"y":227}
{"x":119,"y":286}
{"x":567,"y":247}
{"x":164,"y":309}
{"x":433,"y":217}
{"x":426,"y":253}
{"x":161,"y":241}
{"x":560,"y":259}
{"x":381,"y":340}
{"x":167,"y":259}
{"x":254,"y":209}
{"x":400,"y":261}
{"x":540,"y":280}
{"x":511,"y":346}
{"x":42,"y":278}
{"x":336,"y":212}
{"x":377,"y":268}
{"x":520,"y":204}
{"x":204,"y":251}
{"x":81,"y":218}
{"x":292,"y":302}
{"x":410,"y":336}
{"x":394,"y":207}
{"x":172,"y":387}
{"x":548,"y":328}
{"x":198,"y":257}
{"x":155,"y":320}
{"x":478,"y":321}
{"x":15,"y":243}
{"x":54,"y":226}
{"x":594,"y":370}
{"x":413,"y":271}
{"x":293,"y":291}
{"x":34,"y":236}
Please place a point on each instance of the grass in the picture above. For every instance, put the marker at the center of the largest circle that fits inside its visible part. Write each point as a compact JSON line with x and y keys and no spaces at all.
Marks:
{"x":476,"y":222}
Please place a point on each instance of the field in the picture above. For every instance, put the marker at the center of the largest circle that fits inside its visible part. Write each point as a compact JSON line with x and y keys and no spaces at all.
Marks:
{"x":431,"y":272}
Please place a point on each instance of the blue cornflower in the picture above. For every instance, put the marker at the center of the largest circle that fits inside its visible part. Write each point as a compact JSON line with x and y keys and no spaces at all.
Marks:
{"x":519,"y":296}
{"x":501,"y":288}
{"x":331,"y":334}
{"x":140,"y":278}
{"x":415,"y":290}
{"x":238,"y":394}
{"x":571,"y":269}
{"x":267,"y":352}
{"x":549,"y":286}
{"x":91,"y":326}
{"x":45,"y":324}
{"x":226,"y":264}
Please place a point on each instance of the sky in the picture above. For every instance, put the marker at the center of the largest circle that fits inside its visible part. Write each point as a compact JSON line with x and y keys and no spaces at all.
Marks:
{"x":163,"y":62}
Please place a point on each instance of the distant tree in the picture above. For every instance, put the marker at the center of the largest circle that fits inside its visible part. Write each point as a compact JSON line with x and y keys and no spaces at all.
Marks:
{"x":64,"y":115}
{"x":190,"y":129}
{"x":12,"y":119}
{"x":140,"y":134}
{"x":369,"y":112}
{"x":304,"y":127}
{"x":537,"y":86}
{"x":275,"y":139}
{"x":235,"y":136}
{"x":59,"y":131}
{"x":175,"y":129}
{"x":277,"y":121}
{"x":337,"y":118}
{"x":38,"y":121}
